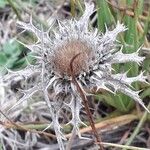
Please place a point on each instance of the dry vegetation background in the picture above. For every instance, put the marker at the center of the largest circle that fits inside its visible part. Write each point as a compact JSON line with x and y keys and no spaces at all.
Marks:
{"x":120,"y":121}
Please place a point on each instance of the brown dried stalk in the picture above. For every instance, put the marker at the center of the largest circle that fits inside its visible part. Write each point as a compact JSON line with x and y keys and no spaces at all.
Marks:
{"x":20,"y":127}
{"x":85,"y":102}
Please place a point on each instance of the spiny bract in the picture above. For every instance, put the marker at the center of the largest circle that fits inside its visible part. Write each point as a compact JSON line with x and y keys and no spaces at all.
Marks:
{"x":54,"y":51}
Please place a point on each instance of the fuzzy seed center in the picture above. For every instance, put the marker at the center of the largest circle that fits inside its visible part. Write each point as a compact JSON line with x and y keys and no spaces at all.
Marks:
{"x":64,"y":55}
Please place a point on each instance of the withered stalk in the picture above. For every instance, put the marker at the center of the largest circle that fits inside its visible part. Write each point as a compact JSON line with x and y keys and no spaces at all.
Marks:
{"x":85,"y":103}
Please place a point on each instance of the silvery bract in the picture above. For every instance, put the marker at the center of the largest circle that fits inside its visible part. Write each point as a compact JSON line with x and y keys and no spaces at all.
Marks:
{"x":55,"y":49}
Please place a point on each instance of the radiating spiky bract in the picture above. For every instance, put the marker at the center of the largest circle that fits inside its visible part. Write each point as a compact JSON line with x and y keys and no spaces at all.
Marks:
{"x":92,"y":67}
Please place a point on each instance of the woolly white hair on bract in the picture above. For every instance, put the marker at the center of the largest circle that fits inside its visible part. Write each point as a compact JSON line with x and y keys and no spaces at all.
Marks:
{"x":92,"y":68}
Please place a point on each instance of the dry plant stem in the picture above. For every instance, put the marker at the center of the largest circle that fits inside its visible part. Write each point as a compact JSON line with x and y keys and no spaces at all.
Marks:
{"x":123,"y":146}
{"x":140,"y":28}
{"x":127,"y":11}
{"x":13,"y":123}
{"x":110,"y":123}
{"x":85,"y":102}
{"x":137,"y":129}
{"x":19,"y":127}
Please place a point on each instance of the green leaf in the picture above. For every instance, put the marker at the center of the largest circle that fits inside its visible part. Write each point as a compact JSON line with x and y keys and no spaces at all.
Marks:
{"x":105,"y":16}
{"x":3,"y":3}
{"x":24,"y":61}
{"x":10,"y":54}
{"x":12,"y":48}
{"x":119,"y":101}
{"x":10,"y":62}
{"x":146,"y":65}
{"x":3,"y":58}
{"x":145,"y":93}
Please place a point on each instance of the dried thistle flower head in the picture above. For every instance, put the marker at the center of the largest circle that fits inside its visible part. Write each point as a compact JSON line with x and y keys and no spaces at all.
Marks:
{"x":66,"y":52}
{"x":92,"y":67}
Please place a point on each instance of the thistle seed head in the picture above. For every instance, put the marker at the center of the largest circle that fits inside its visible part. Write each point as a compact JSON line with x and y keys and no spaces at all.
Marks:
{"x":64,"y":54}
{"x":93,"y":67}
